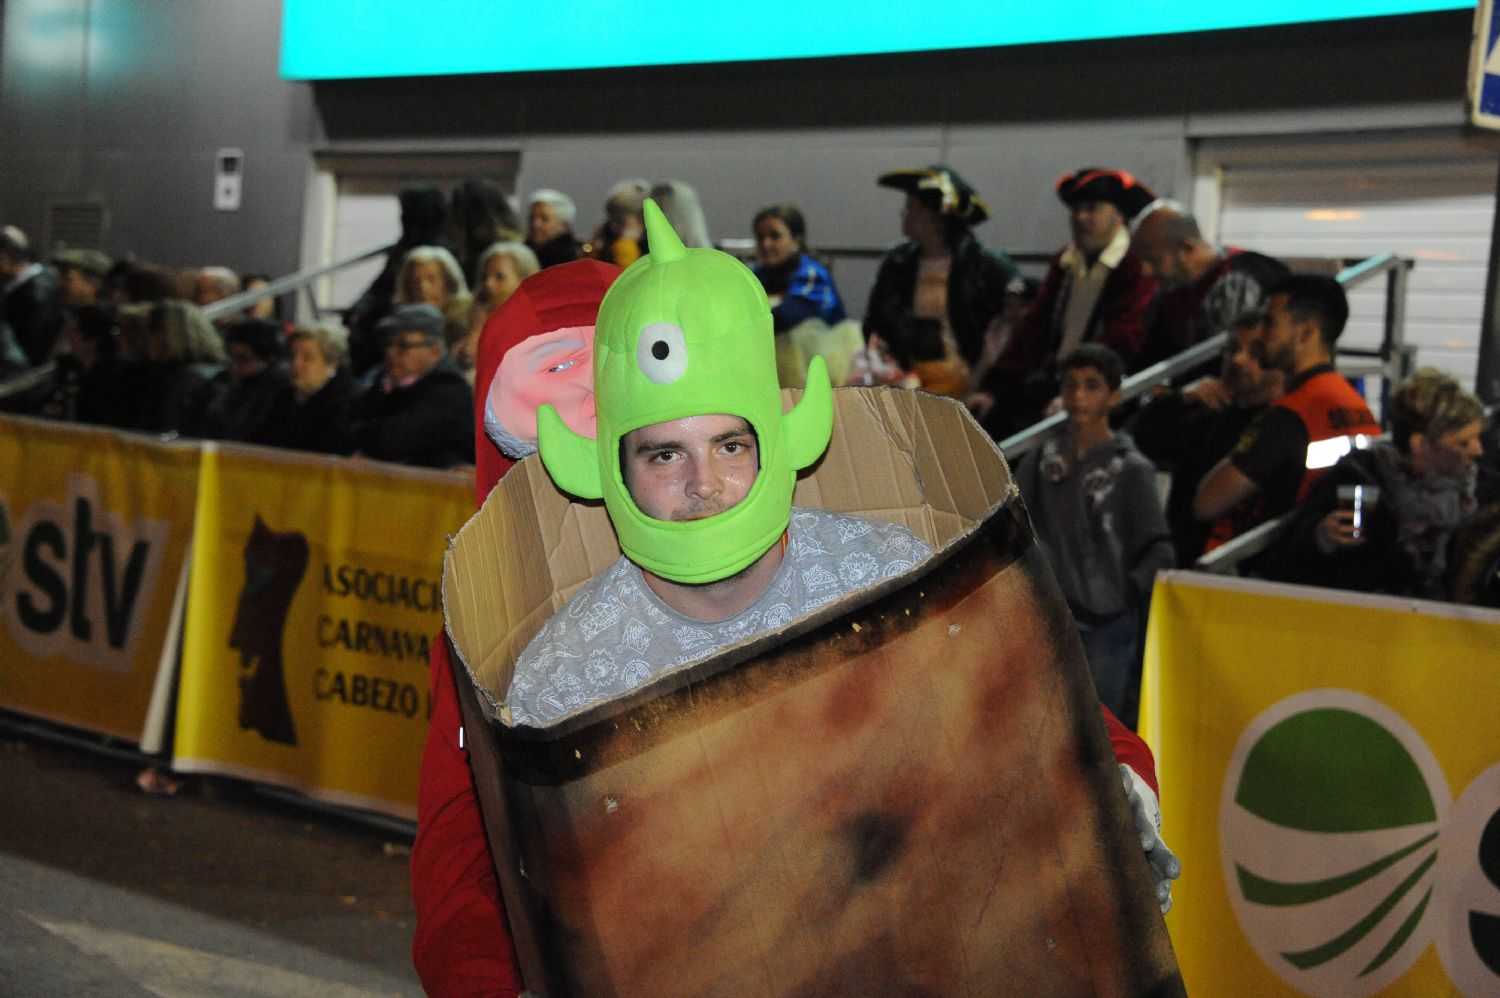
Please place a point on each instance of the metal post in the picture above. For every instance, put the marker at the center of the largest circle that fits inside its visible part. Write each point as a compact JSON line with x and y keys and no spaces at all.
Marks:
{"x":1487,"y":372}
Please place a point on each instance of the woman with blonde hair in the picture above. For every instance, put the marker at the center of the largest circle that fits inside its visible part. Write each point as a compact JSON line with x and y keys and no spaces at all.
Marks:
{"x":318,"y":412}
{"x":679,"y":202}
{"x":183,"y":361}
{"x":430,"y":275}
{"x":1383,"y":519}
{"x":500,"y":270}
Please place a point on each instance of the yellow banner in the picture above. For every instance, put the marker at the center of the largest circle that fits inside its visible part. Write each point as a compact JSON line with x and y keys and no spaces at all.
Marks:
{"x":1330,"y":776}
{"x":314,"y":598}
{"x":94,"y":527}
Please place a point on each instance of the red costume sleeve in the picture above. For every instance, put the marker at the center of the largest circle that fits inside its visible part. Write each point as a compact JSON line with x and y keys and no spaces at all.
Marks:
{"x":462,"y":944}
{"x":1130,"y":749}
{"x":1122,"y":312}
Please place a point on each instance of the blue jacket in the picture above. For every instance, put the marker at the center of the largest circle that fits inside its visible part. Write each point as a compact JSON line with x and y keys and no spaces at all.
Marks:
{"x":806,"y":290}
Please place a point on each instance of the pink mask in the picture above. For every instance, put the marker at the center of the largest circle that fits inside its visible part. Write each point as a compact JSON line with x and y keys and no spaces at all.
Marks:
{"x":556,"y":367}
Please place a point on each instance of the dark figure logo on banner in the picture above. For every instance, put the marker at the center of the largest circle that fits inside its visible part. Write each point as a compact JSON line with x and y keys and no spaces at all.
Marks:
{"x":274,"y":566}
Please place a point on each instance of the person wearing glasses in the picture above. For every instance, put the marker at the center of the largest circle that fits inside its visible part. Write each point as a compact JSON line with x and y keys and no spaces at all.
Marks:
{"x":418,"y":410}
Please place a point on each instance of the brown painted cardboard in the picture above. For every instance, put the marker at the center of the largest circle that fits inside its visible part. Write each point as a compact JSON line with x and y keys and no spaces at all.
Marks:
{"x":908,"y":793}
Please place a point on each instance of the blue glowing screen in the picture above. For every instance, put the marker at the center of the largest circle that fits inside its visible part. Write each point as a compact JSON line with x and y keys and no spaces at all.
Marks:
{"x":337,"y":39}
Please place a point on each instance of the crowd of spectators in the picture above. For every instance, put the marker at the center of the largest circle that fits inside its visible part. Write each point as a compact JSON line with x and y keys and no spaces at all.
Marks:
{"x":127,"y":345}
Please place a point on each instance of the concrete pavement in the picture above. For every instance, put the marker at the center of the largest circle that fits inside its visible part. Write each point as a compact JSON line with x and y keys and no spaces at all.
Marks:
{"x":218,"y":891}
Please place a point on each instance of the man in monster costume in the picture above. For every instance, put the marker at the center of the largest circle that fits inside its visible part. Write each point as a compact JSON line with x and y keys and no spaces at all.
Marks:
{"x":696,"y":461}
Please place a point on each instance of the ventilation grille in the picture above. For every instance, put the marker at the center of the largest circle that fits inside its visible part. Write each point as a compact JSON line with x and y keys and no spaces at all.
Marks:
{"x":75,"y":224}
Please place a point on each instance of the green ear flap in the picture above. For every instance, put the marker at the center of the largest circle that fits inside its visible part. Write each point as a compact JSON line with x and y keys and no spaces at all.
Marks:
{"x":572,"y":460}
{"x":809,"y":426}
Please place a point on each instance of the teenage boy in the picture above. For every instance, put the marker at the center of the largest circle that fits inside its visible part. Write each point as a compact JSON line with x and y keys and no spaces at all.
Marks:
{"x":1093,"y":501}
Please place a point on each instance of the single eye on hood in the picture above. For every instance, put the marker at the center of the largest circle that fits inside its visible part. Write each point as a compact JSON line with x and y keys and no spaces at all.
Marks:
{"x":661,"y":352}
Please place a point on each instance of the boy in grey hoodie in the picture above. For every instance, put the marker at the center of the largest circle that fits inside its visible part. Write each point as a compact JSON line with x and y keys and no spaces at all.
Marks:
{"x":1094,"y":503}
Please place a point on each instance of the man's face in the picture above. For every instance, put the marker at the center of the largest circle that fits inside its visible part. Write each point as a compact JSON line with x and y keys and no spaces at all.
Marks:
{"x":545,"y":224}
{"x":1165,"y":258}
{"x":1276,"y":342}
{"x":243,"y":363}
{"x":918,"y":218}
{"x":500,"y":279}
{"x":428,"y":284}
{"x":1086,"y":396}
{"x":408,"y":355}
{"x":1249,"y":382}
{"x":556,"y":367}
{"x":1094,"y":224}
{"x":690,"y":469}
{"x":78,"y":289}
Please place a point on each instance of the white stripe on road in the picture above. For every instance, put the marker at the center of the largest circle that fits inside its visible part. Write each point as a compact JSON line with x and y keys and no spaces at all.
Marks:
{"x":173,"y":971}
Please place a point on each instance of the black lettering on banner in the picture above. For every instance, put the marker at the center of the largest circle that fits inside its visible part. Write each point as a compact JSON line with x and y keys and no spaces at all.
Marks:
{"x":45,"y":578}
{"x":377,"y":586}
{"x":371,"y":692}
{"x":1484,"y":928}
{"x":84,"y":539}
{"x":372,"y":639}
{"x":120,"y":594}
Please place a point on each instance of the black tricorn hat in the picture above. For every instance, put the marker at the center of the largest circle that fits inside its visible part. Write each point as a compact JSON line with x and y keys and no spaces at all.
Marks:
{"x":1116,"y":187}
{"x":952,"y":194}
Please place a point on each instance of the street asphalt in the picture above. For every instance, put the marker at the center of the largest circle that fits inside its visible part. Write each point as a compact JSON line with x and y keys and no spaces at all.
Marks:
{"x":216,"y":891}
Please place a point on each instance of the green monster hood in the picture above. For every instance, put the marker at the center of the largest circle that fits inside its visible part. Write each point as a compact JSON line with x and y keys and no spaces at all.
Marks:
{"x":687,"y":332}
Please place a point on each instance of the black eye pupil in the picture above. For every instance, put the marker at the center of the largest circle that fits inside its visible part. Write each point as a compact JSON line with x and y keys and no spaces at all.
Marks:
{"x":659,"y":349}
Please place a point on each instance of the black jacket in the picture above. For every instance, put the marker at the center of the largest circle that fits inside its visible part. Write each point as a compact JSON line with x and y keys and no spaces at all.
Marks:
{"x":977,"y":283}
{"x":564,"y":249}
{"x":33,"y":311}
{"x":1380,"y":565}
{"x":323,"y":423}
{"x":242,"y":410}
{"x":174,"y":398}
{"x":1189,"y":440}
{"x":429,"y":423}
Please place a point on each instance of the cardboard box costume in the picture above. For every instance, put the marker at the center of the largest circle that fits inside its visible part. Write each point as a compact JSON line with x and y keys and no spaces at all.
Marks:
{"x":909,"y":793}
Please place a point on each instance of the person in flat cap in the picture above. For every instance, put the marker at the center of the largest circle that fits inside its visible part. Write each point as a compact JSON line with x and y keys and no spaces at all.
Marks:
{"x":419,"y":408}
{"x":81,"y":273}
{"x":1096,"y":291}
{"x":938,"y":291}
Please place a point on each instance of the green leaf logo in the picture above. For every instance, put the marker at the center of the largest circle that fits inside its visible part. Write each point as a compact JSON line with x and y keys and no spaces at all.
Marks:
{"x":1329,"y":835}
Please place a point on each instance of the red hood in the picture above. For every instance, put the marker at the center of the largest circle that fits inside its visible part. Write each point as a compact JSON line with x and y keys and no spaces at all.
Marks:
{"x":556,"y":298}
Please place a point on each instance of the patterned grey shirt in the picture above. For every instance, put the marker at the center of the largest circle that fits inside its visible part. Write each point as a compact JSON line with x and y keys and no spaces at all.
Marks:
{"x":615,"y":634}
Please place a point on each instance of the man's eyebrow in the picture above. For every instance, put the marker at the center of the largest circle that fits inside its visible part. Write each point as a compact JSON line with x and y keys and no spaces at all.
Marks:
{"x":731,"y":434}
{"x":649,"y":446}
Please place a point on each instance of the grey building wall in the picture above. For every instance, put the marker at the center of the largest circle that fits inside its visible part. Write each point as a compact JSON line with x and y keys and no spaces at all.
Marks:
{"x":128,"y":100}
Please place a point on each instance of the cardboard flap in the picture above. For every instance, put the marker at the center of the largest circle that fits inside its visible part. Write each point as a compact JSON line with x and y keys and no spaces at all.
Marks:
{"x":907,"y":457}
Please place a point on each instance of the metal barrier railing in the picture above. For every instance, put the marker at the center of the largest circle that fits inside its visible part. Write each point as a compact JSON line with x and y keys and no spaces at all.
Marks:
{"x":23,"y":383}
{"x":1227,"y":558}
{"x":291,"y":282}
{"x":1133,"y":387}
{"x":1395,"y":358}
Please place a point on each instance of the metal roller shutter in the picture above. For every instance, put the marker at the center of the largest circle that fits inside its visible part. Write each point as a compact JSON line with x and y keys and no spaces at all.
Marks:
{"x":1437,"y":210}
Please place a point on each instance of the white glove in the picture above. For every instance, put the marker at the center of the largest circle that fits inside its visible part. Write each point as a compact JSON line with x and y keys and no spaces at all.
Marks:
{"x":1165,"y":866}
